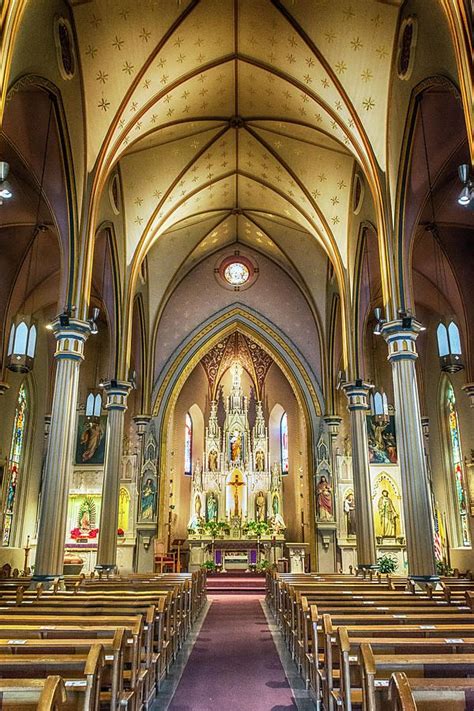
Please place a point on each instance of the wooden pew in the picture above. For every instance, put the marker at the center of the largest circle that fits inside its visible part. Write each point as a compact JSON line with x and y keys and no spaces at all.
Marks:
{"x":112,"y":693}
{"x":378,"y":668}
{"x":349,"y":693}
{"x":33,"y":694}
{"x":414,"y":694}
{"x":81,"y":673}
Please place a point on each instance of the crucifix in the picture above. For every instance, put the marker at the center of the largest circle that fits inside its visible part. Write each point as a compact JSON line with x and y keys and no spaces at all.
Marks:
{"x":236,"y":483}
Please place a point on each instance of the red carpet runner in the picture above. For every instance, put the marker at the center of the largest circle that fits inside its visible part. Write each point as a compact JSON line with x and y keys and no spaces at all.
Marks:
{"x":234,"y":665}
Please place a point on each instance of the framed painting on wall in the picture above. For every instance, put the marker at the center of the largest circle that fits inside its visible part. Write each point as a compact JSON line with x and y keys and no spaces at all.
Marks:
{"x":90,"y":442}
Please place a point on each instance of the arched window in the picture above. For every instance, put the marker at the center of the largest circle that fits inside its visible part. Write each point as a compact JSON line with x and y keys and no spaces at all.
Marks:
{"x":188,"y":445}
{"x":284,"y":443}
{"x":456,"y":468}
{"x":15,"y":462}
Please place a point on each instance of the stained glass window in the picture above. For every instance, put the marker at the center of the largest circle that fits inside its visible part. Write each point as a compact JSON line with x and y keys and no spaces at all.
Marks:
{"x":457,"y":466}
{"x":236,"y":273}
{"x":284,"y":443}
{"x":14,"y":463}
{"x":188,"y":445}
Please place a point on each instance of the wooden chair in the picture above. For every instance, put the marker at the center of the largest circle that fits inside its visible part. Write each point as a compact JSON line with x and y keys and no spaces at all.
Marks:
{"x":163,"y":559}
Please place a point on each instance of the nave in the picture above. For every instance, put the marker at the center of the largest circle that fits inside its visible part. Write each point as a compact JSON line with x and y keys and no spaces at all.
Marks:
{"x":298,"y":641}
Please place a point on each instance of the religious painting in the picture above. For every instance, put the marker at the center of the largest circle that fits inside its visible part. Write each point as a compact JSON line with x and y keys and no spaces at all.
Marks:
{"x":90,"y":443}
{"x":386,"y":505}
{"x":212,"y":507}
{"x":324,"y":502}
{"x":382,"y":441}
{"x":83,"y":516}
{"x":148,"y":500}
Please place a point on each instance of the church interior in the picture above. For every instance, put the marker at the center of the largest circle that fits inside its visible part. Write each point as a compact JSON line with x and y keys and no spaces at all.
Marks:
{"x":237,"y":345}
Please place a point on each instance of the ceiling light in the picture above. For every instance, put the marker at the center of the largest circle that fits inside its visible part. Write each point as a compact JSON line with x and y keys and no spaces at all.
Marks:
{"x":467,"y":192}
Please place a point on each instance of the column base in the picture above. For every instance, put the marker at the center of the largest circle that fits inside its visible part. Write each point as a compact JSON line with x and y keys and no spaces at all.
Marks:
{"x":424,"y":579}
{"x":47,"y":580}
{"x":106,"y":568}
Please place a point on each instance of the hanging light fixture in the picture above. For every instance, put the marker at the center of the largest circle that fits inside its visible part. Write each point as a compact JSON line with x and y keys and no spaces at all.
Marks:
{"x":6,"y":190}
{"x":23,"y":330}
{"x":466,"y":196}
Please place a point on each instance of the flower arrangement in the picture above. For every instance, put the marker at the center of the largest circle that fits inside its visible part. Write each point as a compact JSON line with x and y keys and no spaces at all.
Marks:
{"x":76,"y":533}
{"x":120,"y":532}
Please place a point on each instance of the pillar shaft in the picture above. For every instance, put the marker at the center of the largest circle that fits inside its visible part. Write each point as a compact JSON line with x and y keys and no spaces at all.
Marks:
{"x":117,"y":393}
{"x":401,"y":336}
{"x":357,"y":395}
{"x":57,"y":471}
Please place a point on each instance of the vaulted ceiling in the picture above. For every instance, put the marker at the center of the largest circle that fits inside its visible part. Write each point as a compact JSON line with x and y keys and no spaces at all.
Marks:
{"x":236,"y":119}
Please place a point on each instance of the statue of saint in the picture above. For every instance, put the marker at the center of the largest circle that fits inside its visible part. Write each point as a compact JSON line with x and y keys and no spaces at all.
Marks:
{"x":213,"y":456}
{"x":324,"y":500}
{"x":349,"y":510}
{"x":275,"y":504}
{"x":211,"y":507}
{"x":148,"y":500}
{"x":259,"y":461}
{"x":260,"y":503}
{"x":388,"y":516}
{"x":236,"y":446}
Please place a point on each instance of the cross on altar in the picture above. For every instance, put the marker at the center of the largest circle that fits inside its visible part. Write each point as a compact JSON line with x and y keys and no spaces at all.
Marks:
{"x":236,"y":483}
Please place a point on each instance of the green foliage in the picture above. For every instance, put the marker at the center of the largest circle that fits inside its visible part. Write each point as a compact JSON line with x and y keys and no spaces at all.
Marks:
{"x":263,"y":566}
{"x":256,"y":529}
{"x":214,"y":528}
{"x":209,"y":565}
{"x":387,"y":563}
{"x":443,"y":568}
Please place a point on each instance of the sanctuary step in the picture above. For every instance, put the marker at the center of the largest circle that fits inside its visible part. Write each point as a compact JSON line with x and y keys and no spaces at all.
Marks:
{"x":231,"y":583}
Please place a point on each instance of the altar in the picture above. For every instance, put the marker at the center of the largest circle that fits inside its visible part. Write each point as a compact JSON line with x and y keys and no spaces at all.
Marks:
{"x":236,"y":495}
{"x":234,"y":553}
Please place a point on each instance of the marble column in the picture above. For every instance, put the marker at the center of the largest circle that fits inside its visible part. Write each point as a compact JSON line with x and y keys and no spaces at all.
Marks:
{"x":401,"y":336}
{"x":117,"y":394}
{"x":71,"y":335}
{"x":357,"y":393}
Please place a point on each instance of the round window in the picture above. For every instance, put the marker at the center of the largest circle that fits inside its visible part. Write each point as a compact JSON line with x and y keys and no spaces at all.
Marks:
{"x":236,"y":273}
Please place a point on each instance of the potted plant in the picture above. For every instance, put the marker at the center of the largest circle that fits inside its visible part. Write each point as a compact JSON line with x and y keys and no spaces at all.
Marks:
{"x":256,"y":529}
{"x":387,"y":563}
{"x":443,"y":568}
{"x":209,"y":565}
{"x":263,"y":566}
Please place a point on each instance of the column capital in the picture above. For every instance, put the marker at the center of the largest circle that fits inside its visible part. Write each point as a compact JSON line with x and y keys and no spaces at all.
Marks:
{"x":401,"y":335}
{"x":357,"y":393}
{"x":71,"y":335}
{"x":468,"y":389}
{"x":117,"y":394}
{"x":333,"y":423}
{"x":141,"y":423}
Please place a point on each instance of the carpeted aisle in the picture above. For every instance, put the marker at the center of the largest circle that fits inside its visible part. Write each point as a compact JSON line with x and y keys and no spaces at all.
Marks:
{"x":234,"y":665}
